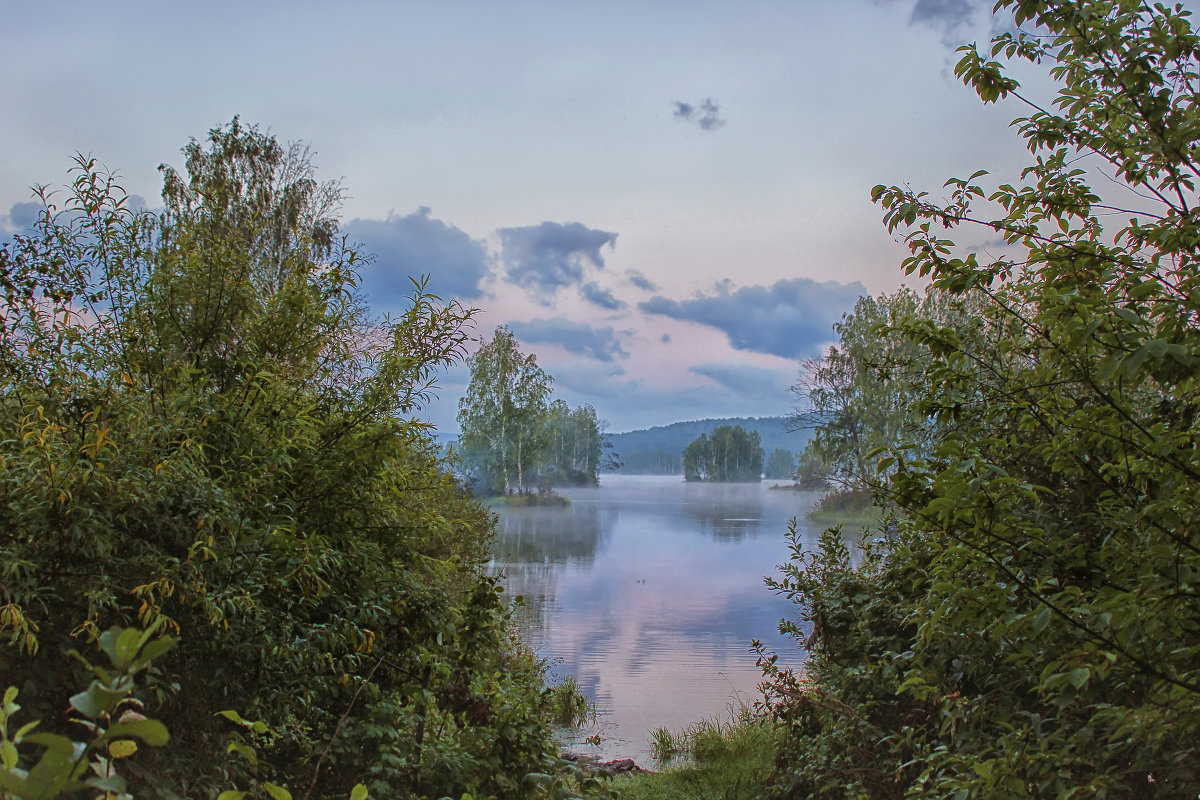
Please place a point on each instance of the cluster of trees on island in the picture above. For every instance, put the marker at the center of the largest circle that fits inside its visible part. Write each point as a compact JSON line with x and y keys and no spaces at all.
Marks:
{"x":513,"y":438}
{"x":731,"y":454}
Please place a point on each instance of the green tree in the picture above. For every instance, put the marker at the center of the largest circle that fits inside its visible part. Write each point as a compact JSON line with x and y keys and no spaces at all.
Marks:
{"x":730,"y":455}
{"x":576,"y":445}
{"x":206,"y":430}
{"x":1030,"y":625}
{"x":781,"y":464}
{"x":503,"y":415}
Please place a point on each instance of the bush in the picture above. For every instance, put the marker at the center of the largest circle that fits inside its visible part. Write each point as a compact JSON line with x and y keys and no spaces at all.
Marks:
{"x":208,"y":432}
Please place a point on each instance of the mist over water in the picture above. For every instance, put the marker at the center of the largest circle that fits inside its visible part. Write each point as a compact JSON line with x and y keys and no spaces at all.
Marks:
{"x":648,"y":590}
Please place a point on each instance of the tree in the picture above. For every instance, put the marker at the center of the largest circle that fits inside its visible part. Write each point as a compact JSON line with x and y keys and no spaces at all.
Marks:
{"x":1030,"y":627}
{"x":781,"y":464}
{"x":503,"y":414}
{"x":730,"y":455}
{"x":576,"y":445}
{"x":207,"y":432}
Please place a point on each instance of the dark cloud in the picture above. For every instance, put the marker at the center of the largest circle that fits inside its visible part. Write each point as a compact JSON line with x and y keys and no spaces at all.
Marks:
{"x":24,"y":215}
{"x":953,"y":18}
{"x":946,"y":15}
{"x":745,"y":379}
{"x":601,"y":344}
{"x":545,"y":258}
{"x":641,"y":281}
{"x":600,"y":297}
{"x":707,"y":114}
{"x":419,"y":245}
{"x":791,"y":318}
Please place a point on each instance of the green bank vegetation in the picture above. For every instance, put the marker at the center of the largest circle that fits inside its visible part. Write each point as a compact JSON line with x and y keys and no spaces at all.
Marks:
{"x":209,"y":437}
{"x":729,"y":759}
{"x":1027,"y":624}
{"x":1025,"y":621}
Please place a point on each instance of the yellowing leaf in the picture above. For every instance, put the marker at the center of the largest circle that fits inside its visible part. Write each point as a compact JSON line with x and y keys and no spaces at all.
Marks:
{"x":122,"y":748}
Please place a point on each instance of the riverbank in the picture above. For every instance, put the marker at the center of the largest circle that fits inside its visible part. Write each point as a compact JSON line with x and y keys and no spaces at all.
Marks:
{"x":732,"y":759}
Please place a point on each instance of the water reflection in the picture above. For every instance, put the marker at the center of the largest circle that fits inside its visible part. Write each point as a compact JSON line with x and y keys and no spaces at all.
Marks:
{"x":535,"y":545}
{"x":648,"y":590}
{"x":726,"y":512}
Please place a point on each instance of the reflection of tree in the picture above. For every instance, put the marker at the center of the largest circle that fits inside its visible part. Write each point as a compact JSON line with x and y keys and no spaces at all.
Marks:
{"x":557,"y":535}
{"x":726,"y":512}
{"x":534,"y":545}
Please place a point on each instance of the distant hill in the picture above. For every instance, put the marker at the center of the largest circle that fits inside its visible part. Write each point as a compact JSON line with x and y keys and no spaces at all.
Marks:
{"x":659,"y":450}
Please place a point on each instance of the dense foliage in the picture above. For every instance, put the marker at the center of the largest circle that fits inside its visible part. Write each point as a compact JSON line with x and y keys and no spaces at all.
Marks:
{"x":513,"y":437}
{"x":780,"y":464}
{"x":204,"y":429}
{"x":729,"y":455}
{"x":1029,"y":624}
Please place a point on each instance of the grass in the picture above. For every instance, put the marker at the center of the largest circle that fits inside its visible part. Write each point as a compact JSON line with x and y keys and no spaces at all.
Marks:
{"x":568,"y":707}
{"x":711,"y":759}
{"x":852,"y":510}
{"x":527,"y":499}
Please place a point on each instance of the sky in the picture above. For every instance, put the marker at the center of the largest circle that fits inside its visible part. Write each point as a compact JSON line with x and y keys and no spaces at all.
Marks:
{"x":668,"y":202}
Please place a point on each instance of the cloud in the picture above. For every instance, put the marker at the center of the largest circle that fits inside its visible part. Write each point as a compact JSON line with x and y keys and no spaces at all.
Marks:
{"x":545,"y":258}
{"x":745,"y":379}
{"x":707,"y":114}
{"x":666,"y":337}
{"x":417,"y":245}
{"x":600,"y":297}
{"x":21,"y":216}
{"x":945,"y":15}
{"x":601,"y":344}
{"x":791,"y":318}
{"x":641,"y":281}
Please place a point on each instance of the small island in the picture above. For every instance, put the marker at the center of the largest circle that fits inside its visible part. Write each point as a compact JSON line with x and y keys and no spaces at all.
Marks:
{"x":730,"y":455}
{"x":515,"y":444}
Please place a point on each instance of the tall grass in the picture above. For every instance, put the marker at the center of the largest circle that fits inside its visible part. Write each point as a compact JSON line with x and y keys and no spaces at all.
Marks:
{"x":727,"y":758}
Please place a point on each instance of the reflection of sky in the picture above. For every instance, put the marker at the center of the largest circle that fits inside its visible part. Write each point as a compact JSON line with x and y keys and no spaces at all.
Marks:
{"x":652,"y":601}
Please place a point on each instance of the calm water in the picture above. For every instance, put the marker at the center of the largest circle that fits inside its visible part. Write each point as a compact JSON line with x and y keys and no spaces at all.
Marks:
{"x":648,"y":590}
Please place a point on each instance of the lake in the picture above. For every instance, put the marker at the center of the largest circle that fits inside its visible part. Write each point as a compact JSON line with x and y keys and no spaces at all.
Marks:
{"x":648,"y":591}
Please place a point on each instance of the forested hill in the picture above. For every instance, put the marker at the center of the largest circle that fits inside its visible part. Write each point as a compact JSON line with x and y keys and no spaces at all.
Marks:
{"x":659,"y":450}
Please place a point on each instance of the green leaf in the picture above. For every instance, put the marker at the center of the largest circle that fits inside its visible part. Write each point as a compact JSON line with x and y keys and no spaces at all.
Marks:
{"x":8,"y":754}
{"x":231,"y":795}
{"x":1041,"y":619}
{"x":83,"y":703}
{"x":150,"y":731}
{"x":245,"y":751}
{"x":1079,"y":676}
{"x":277,"y":792}
{"x":359,"y":792}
